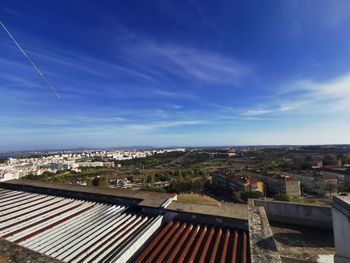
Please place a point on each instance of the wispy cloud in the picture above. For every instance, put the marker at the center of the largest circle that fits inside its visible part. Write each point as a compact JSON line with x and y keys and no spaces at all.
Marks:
{"x":331,"y":96}
{"x":306,"y":97}
{"x":186,"y":62}
{"x":284,"y":107}
{"x":167,"y":124}
{"x":299,"y":16}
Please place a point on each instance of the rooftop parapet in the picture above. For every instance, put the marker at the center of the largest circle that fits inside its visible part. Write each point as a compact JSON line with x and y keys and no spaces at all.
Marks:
{"x":263,"y":247}
{"x":143,"y":199}
{"x":341,"y":228}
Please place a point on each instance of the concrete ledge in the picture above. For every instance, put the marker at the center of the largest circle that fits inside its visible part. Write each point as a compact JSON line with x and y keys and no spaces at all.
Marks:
{"x":263,"y":248}
{"x":341,"y":228}
{"x":338,"y":259}
{"x":226,"y":214}
{"x":342,"y":204}
{"x":102,"y":194}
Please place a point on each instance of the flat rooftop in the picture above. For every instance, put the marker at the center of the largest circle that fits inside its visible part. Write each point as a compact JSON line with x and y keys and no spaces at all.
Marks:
{"x":302,"y":243}
{"x":343,"y":200}
{"x":147,"y":199}
{"x":233,"y":211}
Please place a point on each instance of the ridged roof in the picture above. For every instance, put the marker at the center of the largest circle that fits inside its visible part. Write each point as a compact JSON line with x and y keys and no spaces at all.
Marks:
{"x":181,"y":241}
{"x":67,"y":229}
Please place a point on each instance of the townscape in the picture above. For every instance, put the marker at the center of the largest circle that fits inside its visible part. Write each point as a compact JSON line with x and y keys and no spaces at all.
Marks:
{"x":298,"y":173}
{"x":170,"y":131}
{"x":296,"y":185}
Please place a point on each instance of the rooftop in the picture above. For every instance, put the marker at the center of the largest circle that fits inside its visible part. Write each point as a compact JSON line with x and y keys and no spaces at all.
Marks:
{"x":342,"y":203}
{"x":67,"y":229}
{"x":345,"y":200}
{"x":235,"y":211}
{"x":148,"y":199}
{"x":180,"y":241}
{"x":303,"y":243}
{"x":73,"y":224}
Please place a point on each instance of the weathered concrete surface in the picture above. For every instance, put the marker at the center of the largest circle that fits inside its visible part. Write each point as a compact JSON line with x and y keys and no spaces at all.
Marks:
{"x":103,"y":194}
{"x":341,"y":228}
{"x":236,"y":211}
{"x":297,"y":214}
{"x":263,"y":248}
{"x":226,"y":214}
{"x":12,"y":253}
{"x":301,"y":243}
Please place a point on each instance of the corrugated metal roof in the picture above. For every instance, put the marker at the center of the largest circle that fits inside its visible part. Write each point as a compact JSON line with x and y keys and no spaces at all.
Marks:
{"x":74,"y":230}
{"x":181,"y":241}
{"x":67,"y":229}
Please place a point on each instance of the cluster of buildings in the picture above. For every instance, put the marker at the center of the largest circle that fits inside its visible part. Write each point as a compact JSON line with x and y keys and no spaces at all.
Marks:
{"x":321,"y":161}
{"x":250,"y":182}
{"x":293,"y":184}
{"x":16,"y":168}
{"x":235,"y":183}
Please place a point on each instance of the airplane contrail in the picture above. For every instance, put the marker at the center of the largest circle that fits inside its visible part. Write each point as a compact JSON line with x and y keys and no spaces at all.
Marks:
{"x":31,"y":62}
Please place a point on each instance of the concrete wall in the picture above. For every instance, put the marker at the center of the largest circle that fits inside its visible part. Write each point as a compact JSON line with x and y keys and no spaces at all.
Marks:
{"x":74,"y":194}
{"x":263,"y":248}
{"x":297,"y":214}
{"x":341,"y":225}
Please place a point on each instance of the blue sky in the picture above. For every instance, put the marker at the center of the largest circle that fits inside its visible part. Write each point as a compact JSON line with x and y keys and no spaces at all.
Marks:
{"x":175,"y":73}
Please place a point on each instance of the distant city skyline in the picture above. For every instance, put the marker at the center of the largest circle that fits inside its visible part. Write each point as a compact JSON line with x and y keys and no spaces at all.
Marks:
{"x":175,"y":73}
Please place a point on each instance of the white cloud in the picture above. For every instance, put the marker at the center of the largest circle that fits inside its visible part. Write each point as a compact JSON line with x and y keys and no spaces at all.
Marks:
{"x":256,"y":112}
{"x":157,"y":125}
{"x":186,"y":62}
{"x":305,"y":97}
{"x":328,"y":97}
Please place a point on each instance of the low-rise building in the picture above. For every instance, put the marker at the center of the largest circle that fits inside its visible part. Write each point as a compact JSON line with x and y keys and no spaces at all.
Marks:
{"x":237,"y":183}
{"x":276,"y":184}
{"x":283,"y":184}
{"x":316,"y":182}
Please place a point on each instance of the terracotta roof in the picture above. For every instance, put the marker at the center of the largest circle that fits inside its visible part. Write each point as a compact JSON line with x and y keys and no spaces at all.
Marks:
{"x":181,"y":241}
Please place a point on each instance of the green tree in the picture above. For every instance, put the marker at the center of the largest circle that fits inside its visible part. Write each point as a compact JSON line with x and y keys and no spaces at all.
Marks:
{"x":196,"y":173}
{"x":100,"y":181}
{"x":152,"y":180}
{"x":251,"y":195}
{"x":144,"y":180}
{"x":331,"y":188}
{"x":282,"y":197}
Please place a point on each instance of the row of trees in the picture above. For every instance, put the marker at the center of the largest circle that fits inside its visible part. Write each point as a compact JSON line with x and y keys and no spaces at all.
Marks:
{"x":186,"y":184}
{"x":154,"y":160}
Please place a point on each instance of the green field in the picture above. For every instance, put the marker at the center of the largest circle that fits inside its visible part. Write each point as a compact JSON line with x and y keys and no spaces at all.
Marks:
{"x":197,"y":199}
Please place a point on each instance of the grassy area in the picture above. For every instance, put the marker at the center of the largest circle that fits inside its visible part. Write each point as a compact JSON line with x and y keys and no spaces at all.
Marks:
{"x":313,"y":201}
{"x":197,"y":199}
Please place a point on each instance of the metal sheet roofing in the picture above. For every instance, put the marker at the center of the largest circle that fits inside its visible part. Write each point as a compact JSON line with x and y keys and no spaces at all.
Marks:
{"x":71,"y":230}
{"x":181,"y":241}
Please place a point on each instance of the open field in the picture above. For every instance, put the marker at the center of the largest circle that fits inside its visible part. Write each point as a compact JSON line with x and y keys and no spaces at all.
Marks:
{"x":197,"y":199}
